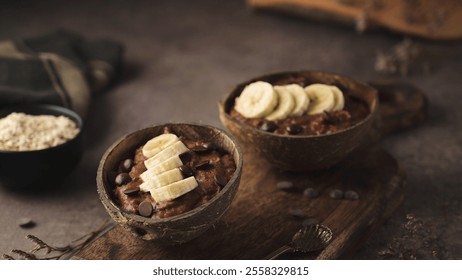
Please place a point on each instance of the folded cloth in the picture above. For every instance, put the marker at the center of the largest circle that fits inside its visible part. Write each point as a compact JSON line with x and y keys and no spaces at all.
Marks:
{"x":58,"y":68}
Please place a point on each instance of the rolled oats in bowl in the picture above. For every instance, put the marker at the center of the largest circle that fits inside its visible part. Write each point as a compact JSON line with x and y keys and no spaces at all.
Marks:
{"x":23,"y":132}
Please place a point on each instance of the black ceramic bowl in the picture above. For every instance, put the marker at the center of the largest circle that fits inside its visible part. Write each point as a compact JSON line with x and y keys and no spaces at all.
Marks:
{"x":40,"y":169}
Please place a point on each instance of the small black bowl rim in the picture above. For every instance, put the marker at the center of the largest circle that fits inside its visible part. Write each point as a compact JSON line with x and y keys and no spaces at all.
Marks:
{"x":370,"y":115}
{"x":46,"y":108}
{"x":187,"y":214}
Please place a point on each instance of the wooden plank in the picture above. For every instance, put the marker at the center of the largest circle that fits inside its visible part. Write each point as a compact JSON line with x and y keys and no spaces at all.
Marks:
{"x":259,"y":222}
{"x":399,"y":16}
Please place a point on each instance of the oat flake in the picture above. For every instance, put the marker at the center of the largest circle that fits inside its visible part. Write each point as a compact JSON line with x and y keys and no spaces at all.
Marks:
{"x":22,"y":132}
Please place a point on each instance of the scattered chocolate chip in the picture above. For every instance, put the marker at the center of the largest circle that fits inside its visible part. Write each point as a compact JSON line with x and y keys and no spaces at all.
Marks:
{"x":297,"y":213}
{"x":132,"y":190}
{"x":268,"y":126}
{"x":311,"y":193}
{"x":186,"y":170}
{"x":127,"y":165}
{"x":203,"y":164}
{"x":351,"y":195}
{"x":199,"y":148}
{"x":208,"y":145}
{"x":26,"y":223}
{"x":294,"y":129}
{"x":336,"y":194}
{"x":285,"y":186}
{"x":186,"y":157}
{"x":122,"y":179}
{"x":220,"y":178}
{"x":309,"y":222}
{"x":145,"y":208}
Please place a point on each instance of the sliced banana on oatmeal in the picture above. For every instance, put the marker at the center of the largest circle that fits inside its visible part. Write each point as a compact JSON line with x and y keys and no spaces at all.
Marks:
{"x":154,"y":181}
{"x":174,"y":149}
{"x":174,"y":190}
{"x":339,"y":99}
{"x":257,"y":100}
{"x":158,"y":143}
{"x":321,"y":98}
{"x":286,"y":104}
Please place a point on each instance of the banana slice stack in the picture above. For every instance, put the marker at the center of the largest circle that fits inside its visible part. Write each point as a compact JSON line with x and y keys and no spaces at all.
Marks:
{"x":163,"y":178}
{"x":262,"y":100}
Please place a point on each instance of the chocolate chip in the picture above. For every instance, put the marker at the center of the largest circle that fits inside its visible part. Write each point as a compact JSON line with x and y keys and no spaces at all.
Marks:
{"x":199,"y":149}
{"x":311,"y":193}
{"x":145,"y":208}
{"x":186,"y":157}
{"x":208,"y":145}
{"x":220,"y":178}
{"x":351,"y":195}
{"x":127,"y":165}
{"x":285,"y":186}
{"x":294,"y":129}
{"x":203,"y":164}
{"x":186,"y":170}
{"x":26,"y":223}
{"x":122,"y":179}
{"x":336,"y":194}
{"x":132,"y":190}
{"x":297,"y":213}
{"x":268,"y":126}
{"x":309,"y":222}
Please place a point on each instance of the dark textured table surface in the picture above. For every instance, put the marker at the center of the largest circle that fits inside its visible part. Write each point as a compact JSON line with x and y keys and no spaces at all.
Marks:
{"x":184,"y":56}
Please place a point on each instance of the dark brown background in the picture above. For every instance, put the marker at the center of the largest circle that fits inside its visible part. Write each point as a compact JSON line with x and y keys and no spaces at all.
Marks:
{"x":184,"y":56}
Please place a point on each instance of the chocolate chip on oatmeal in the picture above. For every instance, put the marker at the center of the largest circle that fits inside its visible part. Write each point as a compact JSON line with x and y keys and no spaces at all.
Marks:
{"x":199,"y":148}
{"x":203,"y":164}
{"x":220,"y":178}
{"x":186,"y":170}
{"x":294,"y":129}
{"x":336,"y":194}
{"x":268,"y":126}
{"x":122,"y":179}
{"x":132,"y":190}
{"x":351,"y":195}
{"x":145,"y":208}
{"x":127,"y":165}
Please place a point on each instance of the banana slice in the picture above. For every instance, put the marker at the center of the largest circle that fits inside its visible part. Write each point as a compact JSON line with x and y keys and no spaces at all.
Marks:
{"x":174,"y":190}
{"x":257,"y":100}
{"x":160,"y":180}
{"x":176,"y":148}
{"x":166,"y":165}
{"x":300,"y":97}
{"x":157,"y":144}
{"x":285,"y":105}
{"x":339,"y":99}
{"x":321,"y":98}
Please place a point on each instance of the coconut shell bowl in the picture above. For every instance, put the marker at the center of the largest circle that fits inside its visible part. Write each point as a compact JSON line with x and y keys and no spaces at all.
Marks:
{"x":185,"y":226}
{"x":303,"y":152}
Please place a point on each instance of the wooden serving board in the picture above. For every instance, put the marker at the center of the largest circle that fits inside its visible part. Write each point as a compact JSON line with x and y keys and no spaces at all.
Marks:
{"x":259,"y":220}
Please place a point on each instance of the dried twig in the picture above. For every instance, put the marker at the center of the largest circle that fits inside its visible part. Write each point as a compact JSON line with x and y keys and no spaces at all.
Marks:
{"x":49,"y":252}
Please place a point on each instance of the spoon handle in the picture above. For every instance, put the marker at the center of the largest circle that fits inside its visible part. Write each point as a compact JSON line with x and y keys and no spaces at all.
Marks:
{"x":278,"y":252}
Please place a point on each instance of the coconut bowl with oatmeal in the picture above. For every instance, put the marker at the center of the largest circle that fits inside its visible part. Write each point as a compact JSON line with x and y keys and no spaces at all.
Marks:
{"x":301,"y":120}
{"x":39,"y":146}
{"x":169,"y":183}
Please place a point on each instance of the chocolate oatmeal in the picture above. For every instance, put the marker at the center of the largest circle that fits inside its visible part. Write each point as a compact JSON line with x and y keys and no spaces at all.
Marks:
{"x":297,"y":106}
{"x":211,"y":167}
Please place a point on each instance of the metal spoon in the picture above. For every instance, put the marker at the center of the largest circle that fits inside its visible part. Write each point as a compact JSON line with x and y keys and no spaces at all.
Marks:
{"x":308,"y":239}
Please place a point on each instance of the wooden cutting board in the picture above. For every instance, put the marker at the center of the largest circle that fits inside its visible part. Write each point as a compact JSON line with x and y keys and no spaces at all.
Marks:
{"x":260,"y":219}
